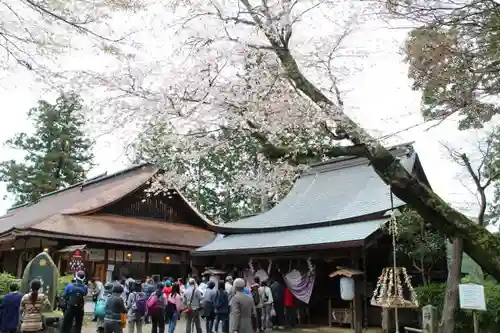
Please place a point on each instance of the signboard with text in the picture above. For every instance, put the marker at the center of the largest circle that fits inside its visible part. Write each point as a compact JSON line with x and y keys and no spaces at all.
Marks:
{"x":472,"y":297}
{"x":76,"y":261}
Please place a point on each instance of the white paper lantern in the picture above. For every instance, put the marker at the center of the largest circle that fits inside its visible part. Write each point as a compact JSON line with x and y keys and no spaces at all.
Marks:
{"x":347,"y":288}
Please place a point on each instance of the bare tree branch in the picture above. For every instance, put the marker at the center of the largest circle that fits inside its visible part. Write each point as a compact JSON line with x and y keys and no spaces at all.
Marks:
{"x":482,"y":176}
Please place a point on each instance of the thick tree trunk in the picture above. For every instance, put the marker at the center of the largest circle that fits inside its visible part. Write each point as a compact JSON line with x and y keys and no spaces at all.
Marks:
{"x":480,"y":244}
{"x":447,"y":324}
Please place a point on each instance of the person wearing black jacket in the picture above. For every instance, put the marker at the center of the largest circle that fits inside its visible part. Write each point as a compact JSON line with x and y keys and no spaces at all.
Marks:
{"x":115,"y":308}
{"x":221,"y":309}
{"x":278,"y":291}
{"x":207,"y":304}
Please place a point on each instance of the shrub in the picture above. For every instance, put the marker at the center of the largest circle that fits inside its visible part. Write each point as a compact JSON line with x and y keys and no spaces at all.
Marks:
{"x":489,"y":320}
{"x":63,"y":281}
{"x":5,"y":280}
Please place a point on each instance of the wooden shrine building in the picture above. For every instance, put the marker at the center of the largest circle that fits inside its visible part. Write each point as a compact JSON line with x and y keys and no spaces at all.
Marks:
{"x":332,"y":217}
{"x":112,"y":223}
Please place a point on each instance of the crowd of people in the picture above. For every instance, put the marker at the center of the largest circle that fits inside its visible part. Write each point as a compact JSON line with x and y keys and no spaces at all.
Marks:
{"x":228,"y":306}
{"x":208,"y":306}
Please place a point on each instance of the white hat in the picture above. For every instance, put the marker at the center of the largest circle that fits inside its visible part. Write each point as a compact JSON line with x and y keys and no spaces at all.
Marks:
{"x":239,"y":283}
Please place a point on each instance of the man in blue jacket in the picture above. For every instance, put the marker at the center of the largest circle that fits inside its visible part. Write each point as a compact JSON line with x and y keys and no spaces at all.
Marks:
{"x":74,"y":294}
{"x":9,"y":310}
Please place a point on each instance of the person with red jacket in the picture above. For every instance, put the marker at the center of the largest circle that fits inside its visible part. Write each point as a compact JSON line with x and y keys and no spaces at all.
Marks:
{"x":289,"y":303}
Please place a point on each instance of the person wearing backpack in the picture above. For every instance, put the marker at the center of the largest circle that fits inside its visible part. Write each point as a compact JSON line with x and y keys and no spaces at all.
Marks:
{"x":148,"y":288}
{"x":115,"y":310}
{"x":136,"y":307}
{"x":156,"y":309}
{"x":74,"y":293}
{"x":192,"y":300}
{"x":267,"y":306}
{"x":98,"y":290}
{"x":100,"y":307}
{"x":207,"y":306}
{"x":221,"y":307}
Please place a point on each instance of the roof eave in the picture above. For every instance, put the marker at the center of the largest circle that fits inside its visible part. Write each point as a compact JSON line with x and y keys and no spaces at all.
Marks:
{"x":56,"y":235}
{"x":226,"y":229}
{"x":286,"y":249}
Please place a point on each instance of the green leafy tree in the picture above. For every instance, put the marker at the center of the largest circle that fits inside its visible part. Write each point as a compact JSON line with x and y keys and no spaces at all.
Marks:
{"x":453,"y":58}
{"x":421,"y":244}
{"x":57,"y":154}
{"x":226,"y":181}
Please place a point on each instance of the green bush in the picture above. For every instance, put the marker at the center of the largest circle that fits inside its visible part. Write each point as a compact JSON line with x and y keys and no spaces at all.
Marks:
{"x":63,"y":281}
{"x":489,"y":320}
{"x":5,"y":280}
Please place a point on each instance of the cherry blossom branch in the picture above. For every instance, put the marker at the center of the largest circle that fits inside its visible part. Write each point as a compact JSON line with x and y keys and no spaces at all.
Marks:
{"x":74,"y":24}
{"x":293,"y":157}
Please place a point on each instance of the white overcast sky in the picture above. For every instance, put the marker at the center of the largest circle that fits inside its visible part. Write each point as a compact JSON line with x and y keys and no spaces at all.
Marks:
{"x":379,"y":97}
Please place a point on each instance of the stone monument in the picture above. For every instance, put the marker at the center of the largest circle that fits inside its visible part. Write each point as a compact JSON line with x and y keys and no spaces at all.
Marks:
{"x":42,"y":267}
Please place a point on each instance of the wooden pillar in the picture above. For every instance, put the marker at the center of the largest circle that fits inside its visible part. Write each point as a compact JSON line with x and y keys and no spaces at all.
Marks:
{"x":365,"y":291}
{"x":184,"y":267}
{"x":106,"y":262}
{"x":330,"y":312}
{"x":357,"y":304}
{"x":19,"y":264}
{"x":59,"y":259}
{"x":19,"y":273}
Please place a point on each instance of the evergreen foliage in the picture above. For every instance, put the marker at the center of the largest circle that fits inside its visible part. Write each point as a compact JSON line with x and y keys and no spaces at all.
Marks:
{"x":56,"y":155}
{"x":226,"y":181}
{"x":420,"y":244}
{"x":489,"y":320}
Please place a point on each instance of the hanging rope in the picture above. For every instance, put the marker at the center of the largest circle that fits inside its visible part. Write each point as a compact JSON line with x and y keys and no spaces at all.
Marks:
{"x":310,"y":265}
{"x":250,"y":265}
{"x":393,"y":229}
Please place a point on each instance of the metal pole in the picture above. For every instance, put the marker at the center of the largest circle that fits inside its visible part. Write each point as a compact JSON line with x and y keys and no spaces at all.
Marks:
{"x":475,"y":320}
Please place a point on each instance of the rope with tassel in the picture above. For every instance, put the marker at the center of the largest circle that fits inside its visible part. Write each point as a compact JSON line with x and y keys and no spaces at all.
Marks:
{"x":310,"y":266}
{"x":250,"y":265}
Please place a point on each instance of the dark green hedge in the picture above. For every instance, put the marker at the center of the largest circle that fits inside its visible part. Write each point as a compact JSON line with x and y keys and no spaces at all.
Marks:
{"x":489,"y":320}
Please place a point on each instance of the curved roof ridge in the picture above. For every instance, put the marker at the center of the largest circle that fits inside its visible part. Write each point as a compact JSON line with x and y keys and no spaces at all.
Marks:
{"x":345,"y":189}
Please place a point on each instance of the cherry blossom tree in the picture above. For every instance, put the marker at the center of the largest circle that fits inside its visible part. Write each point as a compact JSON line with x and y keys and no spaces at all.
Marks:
{"x":226,"y":181}
{"x":35,"y":33}
{"x":242,"y":66}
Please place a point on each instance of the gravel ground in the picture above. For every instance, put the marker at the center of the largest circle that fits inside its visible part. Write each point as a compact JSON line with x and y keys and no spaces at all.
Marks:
{"x":90,"y":327}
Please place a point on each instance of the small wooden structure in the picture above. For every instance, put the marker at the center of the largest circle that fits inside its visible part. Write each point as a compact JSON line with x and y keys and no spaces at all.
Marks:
{"x":347,"y":272}
{"x":120,"y":227}
{"x":342,"y":316}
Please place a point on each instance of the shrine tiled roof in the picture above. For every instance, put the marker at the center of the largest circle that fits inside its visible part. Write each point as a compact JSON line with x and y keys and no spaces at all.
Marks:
{"x":340,"y":190}
{"x":340,"y":235}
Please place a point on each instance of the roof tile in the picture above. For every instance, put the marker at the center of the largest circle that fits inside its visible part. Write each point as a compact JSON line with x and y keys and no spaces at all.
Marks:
{"x":275,"y":240}
{"x":327,"y":193}
{"x":126,"y":228}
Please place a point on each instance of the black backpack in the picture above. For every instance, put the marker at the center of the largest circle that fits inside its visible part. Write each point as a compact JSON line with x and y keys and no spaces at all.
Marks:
{"x":76,"y":297}
{"x":256,"y":296}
